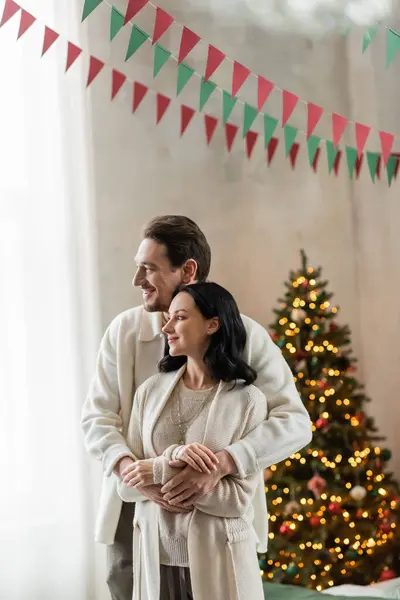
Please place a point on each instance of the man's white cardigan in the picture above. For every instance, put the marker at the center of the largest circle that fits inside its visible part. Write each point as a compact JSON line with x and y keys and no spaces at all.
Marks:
{"x":129,"y":354}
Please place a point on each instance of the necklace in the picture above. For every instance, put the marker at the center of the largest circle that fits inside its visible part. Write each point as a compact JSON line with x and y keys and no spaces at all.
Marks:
{"x":184,"y":424}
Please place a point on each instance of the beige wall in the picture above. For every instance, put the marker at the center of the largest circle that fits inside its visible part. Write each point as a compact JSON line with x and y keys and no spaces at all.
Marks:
{"x":256,"y":218}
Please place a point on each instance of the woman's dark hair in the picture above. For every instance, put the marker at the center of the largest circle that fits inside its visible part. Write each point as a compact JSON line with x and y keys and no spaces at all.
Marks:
{"x":224,"y":356}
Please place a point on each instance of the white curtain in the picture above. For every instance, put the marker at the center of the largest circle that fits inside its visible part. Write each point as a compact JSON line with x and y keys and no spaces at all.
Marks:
{"x":48,"y":316}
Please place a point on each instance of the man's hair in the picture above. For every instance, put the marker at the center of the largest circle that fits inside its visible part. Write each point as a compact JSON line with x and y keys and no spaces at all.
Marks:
{"x":183,"y":240}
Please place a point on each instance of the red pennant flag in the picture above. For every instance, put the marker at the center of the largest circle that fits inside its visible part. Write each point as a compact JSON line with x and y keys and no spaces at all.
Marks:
{"x":378,"y":167}
{"x":387,"y":141}
{"x":230,"y":134}
{"x":338,"y":126}
{"x":210,"y":125}
{"x":239,"y":75}
{"x":289,"y":102}
{"x":118,"y":80}
{"x":162,"y":23}
{"x":396,"y":169}
{"x":251,"y":138}
{"x":314,"y":115}
{"x":271,"y":149}
{"x":72,"y":54}
{"x":362,"y":133}
{"x":134,"y":6}
{"x":10,"y":9}
{"x":316,"y":159}
{"x":95,"y":67}
{"x":336,"y":164}
{"x":265,"y":87}
{"x":162,"y":105}
{"x":294,"y":151}
{"x":189,"y":40}
{"x":358,"y":165}
{"x":187,"y":115}
{"x":214,"y":59}
{"x":139,"y":92}
{"x":26,"y":21}
{"x":50,"y":37}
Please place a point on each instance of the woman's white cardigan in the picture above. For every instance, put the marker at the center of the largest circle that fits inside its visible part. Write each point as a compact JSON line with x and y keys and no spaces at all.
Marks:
{"x":221,"y":538}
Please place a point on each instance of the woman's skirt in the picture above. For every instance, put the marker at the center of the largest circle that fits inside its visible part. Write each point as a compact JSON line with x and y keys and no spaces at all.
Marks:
{"x":175,"y":583}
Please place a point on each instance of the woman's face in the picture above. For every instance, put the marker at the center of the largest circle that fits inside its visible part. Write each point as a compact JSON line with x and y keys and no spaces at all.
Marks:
{"x":188,"y":332}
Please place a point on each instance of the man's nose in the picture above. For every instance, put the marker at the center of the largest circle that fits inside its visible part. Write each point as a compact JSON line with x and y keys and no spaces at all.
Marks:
{"x":137,"y":279}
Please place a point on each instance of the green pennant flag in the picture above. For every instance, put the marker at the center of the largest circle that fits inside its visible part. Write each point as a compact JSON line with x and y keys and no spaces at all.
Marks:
{"x":392,"y":46}
{"x":346,"y":31}
{"x":351,"y":155}
{"x":270,"y":124}
{"x":391,"y":168}
{"x":138,"y":37}
{"x":331,"y":152}
{"x":312,"y":147}
{"x":372,"y":159}
{"x":369,"y":36}
{"x":161,"y":55}
{"x":117,"y":22}
{"x":290,"y":135}
{"x":228,"y":104}
{"x":89,"y":7}
{"x":249,"y":116}
{"x":184,"y":74}
{"x":206,"y":89}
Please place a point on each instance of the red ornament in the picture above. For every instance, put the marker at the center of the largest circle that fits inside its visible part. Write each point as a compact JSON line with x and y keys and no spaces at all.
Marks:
{"x":317,"y":485}
{"x":334,"y":508}
{"x":387,"y":574}
{"x":315,"y":521}
{"x":285,"y":529}
{"x":305,"y":284}
{"x":322,"y":385}
{"x":360,"y":416}
{"x":359,"y":513}
{"x":322,"y":423}
{"x":385,"y":527}
{"x":387,"y":513}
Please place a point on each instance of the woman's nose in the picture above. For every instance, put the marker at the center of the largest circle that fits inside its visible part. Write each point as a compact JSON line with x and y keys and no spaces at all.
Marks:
{"x":168,"y":327}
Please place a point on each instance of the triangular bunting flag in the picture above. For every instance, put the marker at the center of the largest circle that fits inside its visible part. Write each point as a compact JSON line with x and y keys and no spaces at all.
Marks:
{"x":138,"y":37}
{"x":228,"y":104}
{"x":391,"y":168}
{"x":187,"y":115}
{"x":289,"y":102}
{"x":338,"y":126}
{"x":214,"y":59}
{"x":116,"y":23}
{"x":336,"y":164}
{"x":184,"y":74}
{"x":314,"y":114}
{"x":270,"y":125}
{"x":271,"y":149}
{"x":95,"y":67}
{"x":331,"y":153}
{"x":372,"y":159}
{"x":162,"y":23}
{"x":396,"y":171}
{"x":49,"y":38}
{"x":139,"y":92}
{"x":134,"y":6}
{"x":294,"y":151}
{"x":189,"y":40}
{"x":249,"y":116}
{"x":161,"y":55}
{"x":392,"y":46}
{"x":369,"y":36}
{"x":362,"y":133}
{"x":387,"y":141}
{"x":290,"y":135}
{"x":206,"y":89}
{"x":26,"y":21}
{"x":230,"y":134}
{"x":378,"y":166}
{"x":210,"y":125}
{"x":239,"y":75}
{"x":351,"y":155}
{"x":118,"y":80}
{"x":316,"y":158}
{"x":358,"y":165}
{"x":312,"y":147}
{"x":162,"y":104}
{"x":72,"y":54}
{"x":264,"y":88}
{"x":251,"y":138}
{"x":10,"y":9}
{"x":89,"y":7}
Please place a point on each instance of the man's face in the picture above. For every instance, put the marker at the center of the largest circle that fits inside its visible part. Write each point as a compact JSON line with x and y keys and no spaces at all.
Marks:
{"x":155,"y":276}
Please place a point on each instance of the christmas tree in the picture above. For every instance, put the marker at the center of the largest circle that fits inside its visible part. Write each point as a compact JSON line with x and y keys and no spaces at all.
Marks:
{"x":333,"y":508}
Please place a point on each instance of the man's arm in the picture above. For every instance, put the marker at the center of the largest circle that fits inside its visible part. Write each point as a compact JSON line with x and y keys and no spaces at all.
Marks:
{"x":287,"y":427}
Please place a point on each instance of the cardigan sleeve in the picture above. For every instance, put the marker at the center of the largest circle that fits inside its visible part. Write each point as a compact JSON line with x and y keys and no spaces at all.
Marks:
{"x":286,"y":427}
{"x":100,"y":419}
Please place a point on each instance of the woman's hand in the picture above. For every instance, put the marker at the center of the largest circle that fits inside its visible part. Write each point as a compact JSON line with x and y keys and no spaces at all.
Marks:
{"x":138,"y":474}
{"x":197,"y":456}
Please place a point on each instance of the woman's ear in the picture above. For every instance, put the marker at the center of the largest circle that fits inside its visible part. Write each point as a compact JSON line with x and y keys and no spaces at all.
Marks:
{"x":189,"y":271}
{"x":213,"y":325}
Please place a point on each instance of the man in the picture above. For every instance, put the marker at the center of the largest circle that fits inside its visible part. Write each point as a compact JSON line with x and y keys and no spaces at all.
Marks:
{"x":174,"y":250}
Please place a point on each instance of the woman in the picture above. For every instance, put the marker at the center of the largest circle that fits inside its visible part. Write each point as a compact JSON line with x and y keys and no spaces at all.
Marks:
{"x":202,"y":401}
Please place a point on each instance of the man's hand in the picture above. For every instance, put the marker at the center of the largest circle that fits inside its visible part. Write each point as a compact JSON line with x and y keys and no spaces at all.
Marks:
{"x":189,"y":486}
{"x":123,"y":464}
{"x":153,"y":493}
